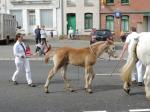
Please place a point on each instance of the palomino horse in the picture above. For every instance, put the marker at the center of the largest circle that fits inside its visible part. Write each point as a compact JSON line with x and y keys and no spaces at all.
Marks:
{"x":84,"y":57}
{"x":140,"y":50}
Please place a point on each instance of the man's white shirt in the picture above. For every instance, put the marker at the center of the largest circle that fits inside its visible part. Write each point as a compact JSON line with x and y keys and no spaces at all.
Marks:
{"x":19,"y":51}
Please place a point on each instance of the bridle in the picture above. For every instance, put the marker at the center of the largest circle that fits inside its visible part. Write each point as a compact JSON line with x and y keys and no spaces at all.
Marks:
{"x":92,"y":51}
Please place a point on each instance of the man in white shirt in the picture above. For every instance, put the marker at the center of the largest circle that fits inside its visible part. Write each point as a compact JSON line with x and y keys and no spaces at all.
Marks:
{"x":21,"y":61}
{"x":43,"y":36}
{"x":138,"y":76}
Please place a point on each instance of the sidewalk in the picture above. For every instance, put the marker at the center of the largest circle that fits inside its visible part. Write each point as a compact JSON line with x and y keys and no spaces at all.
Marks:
{"x":7,"y":51}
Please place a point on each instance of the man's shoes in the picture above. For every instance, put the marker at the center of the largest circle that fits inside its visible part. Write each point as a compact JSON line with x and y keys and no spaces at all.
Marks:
{"x":31,"y":85}
{"x":140,"y":84}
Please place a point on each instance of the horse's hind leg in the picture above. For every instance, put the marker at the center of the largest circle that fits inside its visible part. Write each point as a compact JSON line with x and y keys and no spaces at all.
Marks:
{"x":52,"y":72}
{"x":66,"y":81}
{"x":147,"y":81}
{"x":126,"y":87}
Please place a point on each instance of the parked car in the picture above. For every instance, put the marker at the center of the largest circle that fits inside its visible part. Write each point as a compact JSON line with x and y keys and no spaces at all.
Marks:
{"x":101,"y":35}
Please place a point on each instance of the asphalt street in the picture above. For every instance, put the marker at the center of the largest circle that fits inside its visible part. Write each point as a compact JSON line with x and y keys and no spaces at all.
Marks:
{"x":108,"y":95}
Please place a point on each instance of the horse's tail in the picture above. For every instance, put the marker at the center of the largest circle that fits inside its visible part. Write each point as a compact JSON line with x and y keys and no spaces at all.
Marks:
{"x":47,"y":55}
{"x":129,"y":66}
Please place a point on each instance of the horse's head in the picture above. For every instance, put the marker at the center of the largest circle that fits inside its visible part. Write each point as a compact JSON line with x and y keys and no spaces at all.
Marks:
{"x":111,"y":49}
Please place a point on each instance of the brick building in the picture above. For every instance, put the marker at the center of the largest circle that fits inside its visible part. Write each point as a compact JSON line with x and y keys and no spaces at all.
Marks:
{"x":120,"y":15}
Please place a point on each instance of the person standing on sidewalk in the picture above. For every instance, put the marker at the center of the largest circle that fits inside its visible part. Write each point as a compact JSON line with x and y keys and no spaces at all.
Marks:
{"x":93,"y":36}
{"x":37,"y":34}
{"x":70,"y":33}
{"x":21,"y":60}
{"x":43,"y":36}
{"x":138,"y":76}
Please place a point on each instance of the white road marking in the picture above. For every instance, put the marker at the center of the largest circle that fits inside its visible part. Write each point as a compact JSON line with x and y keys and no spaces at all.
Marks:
{"x":96,"y":111}
{"x":130,"y":110}
{"x":108,"y":74}
{"x":139,"y":110}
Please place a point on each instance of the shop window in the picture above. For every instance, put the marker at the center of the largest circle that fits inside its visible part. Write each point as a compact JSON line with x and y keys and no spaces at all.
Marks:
{"x":110,"y":23}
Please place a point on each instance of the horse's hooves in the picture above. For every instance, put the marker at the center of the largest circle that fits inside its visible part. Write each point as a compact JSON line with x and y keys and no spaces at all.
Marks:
{"x":72,"y":90}
{"x":127,"y":91}
{"x":46,"y":91}
{"x":90,"y":92}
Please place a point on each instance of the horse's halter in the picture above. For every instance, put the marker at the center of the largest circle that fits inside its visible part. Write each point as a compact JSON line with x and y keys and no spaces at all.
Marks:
{"x":92,"y":51}
{"x":110,"y":52}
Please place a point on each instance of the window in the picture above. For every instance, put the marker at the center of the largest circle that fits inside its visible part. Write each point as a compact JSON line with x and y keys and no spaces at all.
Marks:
{"x":71,"y":3}
{"x":88,"y":18}
{"x":47,"y":17}
{"x":110,"y":23}
{"x":125,"y":23}
{"x":109,"y":1}
{"x":125,"y":1}
{"x":18,"y":14}
{"x":88,"y":3}
{"x":32,"y":17}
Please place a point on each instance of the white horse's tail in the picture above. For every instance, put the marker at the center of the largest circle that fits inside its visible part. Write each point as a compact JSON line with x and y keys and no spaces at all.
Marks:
{"x":129,"y":66}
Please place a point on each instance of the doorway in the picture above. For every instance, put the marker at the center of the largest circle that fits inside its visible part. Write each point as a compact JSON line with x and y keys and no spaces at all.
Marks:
{"x":71,"y":20}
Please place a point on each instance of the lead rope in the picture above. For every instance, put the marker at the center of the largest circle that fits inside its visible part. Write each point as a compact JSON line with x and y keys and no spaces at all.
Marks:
{"x":115,"y":67}
{"x":92,"y":51}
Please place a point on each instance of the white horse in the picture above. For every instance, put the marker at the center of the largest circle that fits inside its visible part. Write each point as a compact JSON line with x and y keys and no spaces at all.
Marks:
{"x":140,"y":51}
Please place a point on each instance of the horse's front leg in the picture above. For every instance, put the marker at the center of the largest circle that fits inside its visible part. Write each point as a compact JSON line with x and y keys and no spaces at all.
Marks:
{"x":66,"y":81}
{"x":87,"y":78}
{"x":91,"y":77}
{"x":52,"y":72}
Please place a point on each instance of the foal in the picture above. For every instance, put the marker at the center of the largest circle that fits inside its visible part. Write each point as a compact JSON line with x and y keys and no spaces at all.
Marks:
{"x":83,"y":57}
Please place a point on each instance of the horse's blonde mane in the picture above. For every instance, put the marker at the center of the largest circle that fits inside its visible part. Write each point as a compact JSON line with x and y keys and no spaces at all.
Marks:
{"x":97,"y":43}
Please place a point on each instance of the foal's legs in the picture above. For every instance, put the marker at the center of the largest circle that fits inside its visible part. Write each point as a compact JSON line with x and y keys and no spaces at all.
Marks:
{"x":66,"y":81}
{"x":91,"y":77}
{"x":88,"y":78}
{"x":52,"y":72}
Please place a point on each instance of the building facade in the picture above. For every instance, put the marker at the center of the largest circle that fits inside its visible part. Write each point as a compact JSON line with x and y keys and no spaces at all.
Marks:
{"x":3,"y":6}
{"x":30,"y":13}
{"x":80,"y":14}
{"x":120,"y":15}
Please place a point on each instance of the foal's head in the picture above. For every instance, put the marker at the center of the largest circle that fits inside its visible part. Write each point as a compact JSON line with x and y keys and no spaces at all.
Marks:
{"x":111,"y":48}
